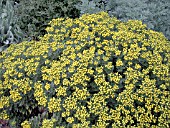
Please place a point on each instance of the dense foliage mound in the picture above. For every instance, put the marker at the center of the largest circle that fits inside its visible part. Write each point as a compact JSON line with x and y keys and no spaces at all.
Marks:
{"x":94,"y":71}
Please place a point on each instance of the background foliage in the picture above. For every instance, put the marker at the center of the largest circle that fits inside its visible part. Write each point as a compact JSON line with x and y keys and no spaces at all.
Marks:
{"x":34,"y":15}
{"x":10,"y":32}
{"x":91,"y":6}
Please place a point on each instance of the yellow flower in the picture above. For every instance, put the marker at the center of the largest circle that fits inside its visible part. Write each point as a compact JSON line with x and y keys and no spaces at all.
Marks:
{"x":119,"y":63}
{"x":71,"y":69}
{"x":97,"y":39}
{"x":105,"y":58}
{"x":90,"y":71}
{"x":109,"y":65}
{"x":99,"y":69}
{"x":47,"y":86}
{"x":70,"y":120}
{"x":66,"y":81}
{"x":4,"y":115}
{"x":117,"y":52}
{"x":129,"y":63}
{"x":137,"y":66}
{"x":66,"y":113}
{"x":100,"y":52}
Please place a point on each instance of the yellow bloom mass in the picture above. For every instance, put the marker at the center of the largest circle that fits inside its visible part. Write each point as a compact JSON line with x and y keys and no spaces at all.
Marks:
{"x":90,"y":69}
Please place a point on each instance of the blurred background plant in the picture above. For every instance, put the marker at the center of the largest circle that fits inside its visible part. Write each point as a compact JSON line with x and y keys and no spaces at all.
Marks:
{"x":34,"y":15}
{"x":91,"y":6}
{"x":10,"y":32}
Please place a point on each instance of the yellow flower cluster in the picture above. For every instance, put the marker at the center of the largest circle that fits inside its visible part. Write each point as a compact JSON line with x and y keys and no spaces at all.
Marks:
{"x":81,"y":94}
{"x":94,"y":65}
{"x":26,"y":124}
{"x":54,"y":105}
{"x":48,"y":123}
{"x":4,"y":115}
{"x":70,"y":120}
{"x":4,"y":101}
{"x":61,"y":91}
{"x":39,"y":94}
{"x":15,"y":95}
{"x":81,"y":114}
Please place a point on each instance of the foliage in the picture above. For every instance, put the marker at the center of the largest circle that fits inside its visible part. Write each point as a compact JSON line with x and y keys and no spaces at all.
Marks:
{"x":10,"y":32}
{"x":94,"y":71}
{"x":94,"y":6}
{"x":34,"y":15}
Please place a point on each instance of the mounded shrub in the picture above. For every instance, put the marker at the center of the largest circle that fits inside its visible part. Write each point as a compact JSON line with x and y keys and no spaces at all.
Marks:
{"x":94,"y":71}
